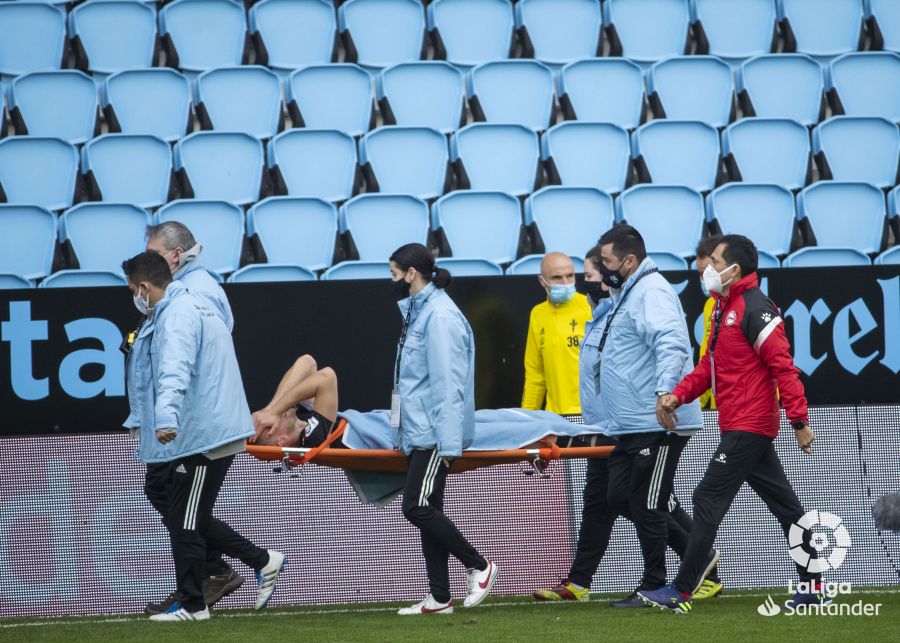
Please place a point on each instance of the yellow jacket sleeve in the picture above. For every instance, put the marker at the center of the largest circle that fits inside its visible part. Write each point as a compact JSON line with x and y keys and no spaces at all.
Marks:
{"x":707,"y":401}
{"x":535,"y":384}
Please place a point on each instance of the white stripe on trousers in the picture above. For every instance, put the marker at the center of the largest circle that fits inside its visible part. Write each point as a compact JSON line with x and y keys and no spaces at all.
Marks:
{"x":428,"y":480}
{"x":190,"y":512}
{"x":656,"y":478}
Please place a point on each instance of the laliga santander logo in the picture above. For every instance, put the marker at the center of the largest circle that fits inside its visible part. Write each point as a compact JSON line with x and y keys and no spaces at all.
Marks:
{"x":815,"y":521}
{"x":769,"y":607}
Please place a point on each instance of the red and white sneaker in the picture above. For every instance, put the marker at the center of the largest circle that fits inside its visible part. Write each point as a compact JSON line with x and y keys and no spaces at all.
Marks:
{"x":427,"y":606}
{"x":480,"y":584}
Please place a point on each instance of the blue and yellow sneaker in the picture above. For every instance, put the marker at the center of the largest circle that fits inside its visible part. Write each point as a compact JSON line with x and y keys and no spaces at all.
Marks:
{"x":565,"y":591}
{"x":709,"y":589}
{"x":816,"y":597}
{"x":667,"y":597}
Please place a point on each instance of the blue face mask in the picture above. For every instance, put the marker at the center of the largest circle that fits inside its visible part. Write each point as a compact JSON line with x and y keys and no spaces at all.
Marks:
{"x":561,"y":293}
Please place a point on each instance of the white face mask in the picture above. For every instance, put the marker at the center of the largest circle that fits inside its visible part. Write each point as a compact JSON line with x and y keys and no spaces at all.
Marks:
{"x":143,"y":305}
{"x":713,"y":279}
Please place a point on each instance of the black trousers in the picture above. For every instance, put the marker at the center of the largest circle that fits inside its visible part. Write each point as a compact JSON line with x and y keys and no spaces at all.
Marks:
{"x":423,"y":506}
{"x":740,"y":457}
{"x":194,"y":484}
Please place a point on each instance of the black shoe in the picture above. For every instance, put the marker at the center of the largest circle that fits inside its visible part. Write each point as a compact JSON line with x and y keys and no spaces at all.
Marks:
{"x":217,"y":587}
{"x":159,"y":608}
{"x":632,"y":600}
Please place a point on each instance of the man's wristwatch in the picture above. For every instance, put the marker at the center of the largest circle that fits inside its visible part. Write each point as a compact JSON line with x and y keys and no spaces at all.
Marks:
{"x":661,"y":393}
{"x":799,"y":425}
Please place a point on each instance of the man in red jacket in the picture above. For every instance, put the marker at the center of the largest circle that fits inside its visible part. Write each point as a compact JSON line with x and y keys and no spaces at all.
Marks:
{"x":747,"y":364}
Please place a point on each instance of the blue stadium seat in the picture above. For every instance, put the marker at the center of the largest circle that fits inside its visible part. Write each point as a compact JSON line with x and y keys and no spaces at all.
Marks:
{"x":381,"y":223}
{"x":621,"y":100}
{"x":203,"y":34}
{"x":692,"y":88}
{"x":559,"y":31}
{"x":38,"y":171}
{"x":782,"y":86}
{"x":495,"y":157}
{"x":512,"y":91}
{"x":677,"y":153}
{"x":240,"y":99}
{"x":84,"y":279}
{"x":866,"y":84}
{"x":225,"y":166}
{"x":422,"y":94}
{"x":479,"y":224}
{"x":736,"y":29}
{"x":101,"y":234}
{"x":647,"y":30}
{"x":358,"y":270}
{"x":767,"y":150}
{"x":313,"y":163}
{"x":13,"y":282}
{"x":669,"y":217}
{"x":893,"y":202}
{"x":32,"y":37}
{"x":890,"y":257}
{"x":59,"y":104}
{"x":381,"y":33}
{"x":531,"y":265}
{"x":113,"y":35}
{"x":337,"y":96}
{"x":884,"y":23}
{"x":569,"y":220}
{"x":405,"y":160}
{"x":847,"y":148}
{"x":218,"y":226}
{"x":580,"y":154}
{"x":825,"y":258}
{"x":27,"y":241}
{"x":156,"y":102}
{"x":767,"y":261}
{"x":295,"y":231}
{"x":668,"y":261}
{"x":471,"y":32}
{"x":763,"y":213}
{"x":821,"y":27}
{"x":468,"y":267}
{"x":291,"y":33}
{"x":128,"y":168}
{"x":265,"y":272}
{"x":844,"y":214}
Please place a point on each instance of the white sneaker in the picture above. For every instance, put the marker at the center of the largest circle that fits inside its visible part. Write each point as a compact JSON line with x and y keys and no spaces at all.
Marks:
{"x":267,"y":577}
{"x":178,"y":613}
{"x":427,"y":606}
{"x":480,"y":584}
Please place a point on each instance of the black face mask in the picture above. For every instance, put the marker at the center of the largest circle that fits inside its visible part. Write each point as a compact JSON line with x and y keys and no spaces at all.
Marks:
{"x":593,"y":290}
{"x":401,"y":289}
{"x":612,"y":278}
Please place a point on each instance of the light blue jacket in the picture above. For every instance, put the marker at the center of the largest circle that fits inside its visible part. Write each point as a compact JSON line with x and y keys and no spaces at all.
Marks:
{"x":647,"y":350}
{"x":183,"y":374}
{"x":592,"y":411}
{"x":198,"y":280}
{"x":437,"y":376}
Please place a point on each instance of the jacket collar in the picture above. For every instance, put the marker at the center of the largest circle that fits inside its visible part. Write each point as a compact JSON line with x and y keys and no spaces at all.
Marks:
{"x":645,"y":266}
{"x":173,"y":290}
{"x":417,"y":301}
{"x":740,"y":286}
{"x":188,"y":268}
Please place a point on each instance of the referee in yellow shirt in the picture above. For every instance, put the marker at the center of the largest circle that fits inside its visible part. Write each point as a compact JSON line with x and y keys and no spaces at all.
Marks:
{"x":555,"y":331}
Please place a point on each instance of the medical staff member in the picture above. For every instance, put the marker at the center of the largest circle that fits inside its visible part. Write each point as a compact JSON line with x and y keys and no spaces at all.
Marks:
{"x":433,"y":406}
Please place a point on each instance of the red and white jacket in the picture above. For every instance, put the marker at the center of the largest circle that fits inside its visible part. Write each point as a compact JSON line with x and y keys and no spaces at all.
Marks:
{"x":748,"y":364}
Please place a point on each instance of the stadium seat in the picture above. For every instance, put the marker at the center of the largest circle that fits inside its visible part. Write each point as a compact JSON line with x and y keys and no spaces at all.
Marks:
{"x":488,"y":156}
{"x":782,"y":86}
{"x":677,"y":153}
{"x":337,"y":96}
{"x":479,"y":224}
{"x":289,"y":33}
{"x":465,"y":267}
{"x":767,"y":150}
{"x":848,"y":148}
{"x":825,"y":258}
{"x":13,"y":282}
{"x":647,"y":30}
{"x":203,"y":34}
{"x":381,"y":33}
{"x":83,"y":279}
{"x":763,"y":213}
{"x":579,"y":154}
{"x":422,"y":94}
{"x":92,"y":230}
{"x":471,"y":32}
{"x":569,"y":219}
{"x":841,"y":214}
{"x":313,"y":163}
{"x":668,"y":261}
{"x":736,"y":29}
{"x":512,"y":91}
{"x":821,"y":27}
{"x":38,"y":171}
{"x":381,"y":223}
{"x":27,"y":241}
{"x":156,"y":102}
{"x":405,"y":160}
{"x":669,"y":217}
{"x":692,"y":88}
{"x":59,"y":104}
{"x":295,"y":231}
{"x":893,"y":201}
{"x":865,"y":84}
{"x":531,"y":265}
{"x":216,"y":225}
{"x":602,"y":90}
{"x":32,"y":37}
{"x":884,"y":23}
{"x":225,"y":166}
{"x":265,"y":272}
{"x":128,"y":168}
{"x":240,"y":99}
{"x":890,"y":257}
{"x":559,"y":31}
{"x":113,"y":35}
{"x":358,"y":270}
{"x":767,"y":261}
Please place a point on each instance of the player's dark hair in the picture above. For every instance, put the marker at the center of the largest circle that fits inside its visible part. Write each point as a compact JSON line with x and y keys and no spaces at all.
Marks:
{"x":708,"y":245}
{"x":148,"y":266}
{"x":625,"y":240}
{"x":740,"y":250}
{"x":595,"y":257}
{"x":415,"y":255}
